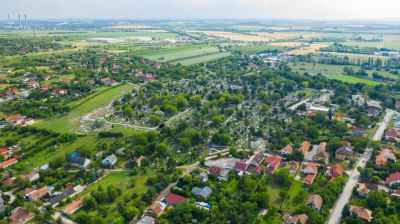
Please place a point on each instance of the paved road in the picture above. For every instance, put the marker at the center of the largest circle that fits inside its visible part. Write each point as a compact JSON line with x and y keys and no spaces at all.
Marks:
{"x":294,"y":106}
{"x":354,"y":178}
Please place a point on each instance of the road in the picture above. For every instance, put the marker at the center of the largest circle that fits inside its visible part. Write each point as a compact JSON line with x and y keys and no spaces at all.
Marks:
{"x":354,"y":178}
{"x":294,"y":106}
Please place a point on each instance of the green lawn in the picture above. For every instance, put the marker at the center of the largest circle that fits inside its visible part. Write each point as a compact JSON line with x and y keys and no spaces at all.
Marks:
{"x":175,"y":53}
{"x":293,"y":191}
{"x":353,"y":80}
{"x":202,"y":58}
{"x":128,"y":184}
{"x":257,"y":49}
{"x":70,"y":121}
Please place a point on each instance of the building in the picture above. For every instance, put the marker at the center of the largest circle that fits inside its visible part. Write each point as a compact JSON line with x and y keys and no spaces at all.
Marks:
{"x":40,"y":193}
{"x":55,"y":200}
{"x":363,"y":190}
{"x":31,"y":176}
{"x":73,"y":207}
{"x":110,"y":160}
{"x":310,"y":170}
{"x":383,"y":157}
{"x":203,"y":192}
{"x":32,"y":84}
{"x":288,"y":149}
{"x":298,"y":219}
{"x":321,"y":155}
{"x":173,"y":199}
{"x":345,"y":152}
{"x":293,"y":166}
{"x":78,"y":161}
{"x":315,"y":201}
{"x":393,"y":179}
{"x":272,"y":163}
{"x":240,"y":166}
{"x":16,"y":119}
{"x":391,"y":135}
{"x":20,"y":215}
{"x":357,"y":132}
{"x":336,"y":170}
{"x":304,"y":147}
{"x":8,"y":163}
{"x":146,"y":220}
{"x":361,"y":213}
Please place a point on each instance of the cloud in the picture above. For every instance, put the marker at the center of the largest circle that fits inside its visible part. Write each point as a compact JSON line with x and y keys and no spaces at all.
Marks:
{"x":187,"y":9}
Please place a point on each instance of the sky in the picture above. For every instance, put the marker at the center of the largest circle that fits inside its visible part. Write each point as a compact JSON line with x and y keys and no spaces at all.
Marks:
{"x":199,"y":9}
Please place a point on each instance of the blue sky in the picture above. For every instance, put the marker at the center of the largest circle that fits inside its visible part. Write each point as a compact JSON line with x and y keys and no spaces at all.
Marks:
{"x":188,"y":9}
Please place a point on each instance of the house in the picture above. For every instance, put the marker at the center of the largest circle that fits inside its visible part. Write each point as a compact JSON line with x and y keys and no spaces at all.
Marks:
{"x":336,"y":170}
{"x":272,"y":163}
{"x":55,"y":200}
{"x":146,"y":220}
{"x":16,"y":119}
{"x":315,"y":201}
{"x":58,"y":92}
{"x":40,"y":193}
{"x":372,"y":112}
{"x":90,"y":82}
{"x":5,"y":153}
{"x":304,"y":147}
{"x":298,"y":219}
{"x":215,"y":170}
{"x":321,"y":155}
{"x":363,"y":190}
{"x":384,"y":155}
{"x":157,"y":209}
{"x":31,"y":176}
{"x":203,"y":192}
{"x":345,"y":152}
{"x":203,"y":205}
{"x":26,"y":192}
{"x":73,"y":207}
{"x":8,"y":163}
{"x":288,"y":149}
{"x":240,"y":166}
{"x":393,"y":179}
{"x":310,"y":171}
{"x":46,"y":87}
{"x":391,"y":135}
{"x":110,"y":160}
{"x":78,"y":161}
{"x":357,"y":132}
{"x":173,"y":199}
{"x":293,"y":166}
{"x":361,"y":213}
{"x":32,"y":84}
{"x":20,"y":215}
{"x":255,"y":162}
{"x":9,"y":182}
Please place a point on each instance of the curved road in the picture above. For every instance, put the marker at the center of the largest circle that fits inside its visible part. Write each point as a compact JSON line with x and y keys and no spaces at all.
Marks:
{"x":354,"y":178}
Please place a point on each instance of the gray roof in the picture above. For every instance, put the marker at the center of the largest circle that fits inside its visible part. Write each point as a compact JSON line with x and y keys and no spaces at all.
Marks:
{"x":56,"y":199}
{"x":111,"y":159}
{"x":204,"y":192}
{"x":77,"y":160}
{"x":146,"y":220}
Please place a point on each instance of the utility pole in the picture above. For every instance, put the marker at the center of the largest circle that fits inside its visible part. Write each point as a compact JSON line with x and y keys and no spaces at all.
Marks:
{"x":9,"y":22}
{"x":26,"y":27}
{"x":19,"y":19}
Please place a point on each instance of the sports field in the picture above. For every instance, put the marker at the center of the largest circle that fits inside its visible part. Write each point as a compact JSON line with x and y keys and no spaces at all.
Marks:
{"x":70,"y":121}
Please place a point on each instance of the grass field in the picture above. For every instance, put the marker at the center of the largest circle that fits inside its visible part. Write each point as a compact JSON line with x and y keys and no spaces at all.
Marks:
{"x":333,"y":70}
{"x":248,"y":50}
{"x":128,"y":184}
{"x":70,"y":121}
{"x":185,"y":55}
{"x":293,"y":191}
{"x":353,"y":80}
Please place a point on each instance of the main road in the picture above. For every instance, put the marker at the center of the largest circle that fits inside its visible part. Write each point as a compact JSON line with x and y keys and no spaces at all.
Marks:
{"x":354,"y":178}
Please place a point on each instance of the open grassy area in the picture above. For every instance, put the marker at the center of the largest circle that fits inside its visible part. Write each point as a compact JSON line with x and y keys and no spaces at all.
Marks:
{"x":352,"y":79}
{"x":248,"y":50}
{"x":129,"y":184}
{"x":202,"y":58}
{"x":70,"y":121}
{"x":293,"y":191}
{"x":175,"y":53}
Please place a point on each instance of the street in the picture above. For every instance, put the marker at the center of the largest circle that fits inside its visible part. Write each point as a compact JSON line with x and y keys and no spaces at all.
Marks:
{"x":354,"y":177}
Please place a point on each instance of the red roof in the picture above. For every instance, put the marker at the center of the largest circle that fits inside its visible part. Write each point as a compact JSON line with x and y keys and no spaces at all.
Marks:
{"x":174,"y":199}
{"x":336,"y":170}
{"x":273,"y":163}
{"x":305,"y":146}
{"x":8,"y":163}
{"x":149,"y":78}
{"x":215,"y":170}
{"x":393,"y":177}
{"x":392,"y":133}
{"x":4,"y":151}
{"x":73,"y":207}
{"x":241,"y":165}
{"x":14,"y":118}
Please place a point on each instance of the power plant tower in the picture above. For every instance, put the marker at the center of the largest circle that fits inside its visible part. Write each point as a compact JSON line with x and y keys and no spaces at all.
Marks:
{"x":26,"y":26}
{"x":19,"y":19}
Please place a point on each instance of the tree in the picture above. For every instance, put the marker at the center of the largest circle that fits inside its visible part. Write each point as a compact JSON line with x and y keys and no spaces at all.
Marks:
{"x":154,"y":119}
{"x":375,"y":200}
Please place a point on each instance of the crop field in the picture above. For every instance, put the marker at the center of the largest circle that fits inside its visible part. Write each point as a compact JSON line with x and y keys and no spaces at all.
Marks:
{"x":231,"y":36}
{"x":185,"y":55}
{"x":70,"y":121}
{"x":308,"y":48}
{"x":332,"y":70}
{"x":355,"y":57}
{"x":353,"y":80}
{"x":257,"y":49}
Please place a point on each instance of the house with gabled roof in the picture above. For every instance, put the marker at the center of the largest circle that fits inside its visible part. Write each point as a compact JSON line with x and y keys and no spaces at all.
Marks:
{"x":272,"y":163}
{"x":361,"y":212}
{"x":293,"y":166}
{"x":298,"y":219}
{"x":363,"y":190}
{"x":203,"y":192}
{"x":173,"y":199}
{"x":288,"y":149}
{"x":315,"y":201}
{"x":304,"y":147}
{"x":391,"y":135}
{"x":20,"y":215}
{"x":73,"y":207}
{"x":8,"y":163}
{"x":321,"y":155}
{"x":393,"y":179}
{"x":383,"y":157}
{"x":345,"y":152}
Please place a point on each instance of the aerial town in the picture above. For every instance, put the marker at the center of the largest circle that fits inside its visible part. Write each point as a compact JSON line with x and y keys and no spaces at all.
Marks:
{"x":263,"y":122}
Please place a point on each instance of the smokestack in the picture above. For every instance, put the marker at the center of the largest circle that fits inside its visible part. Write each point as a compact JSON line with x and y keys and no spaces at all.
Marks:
{"x":26,"y":27}
{"x":19,"y":19}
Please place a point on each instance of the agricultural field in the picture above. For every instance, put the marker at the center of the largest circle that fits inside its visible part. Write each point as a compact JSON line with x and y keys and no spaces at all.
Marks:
{"x":248,"y":50}
{"x":185,"y":55}
{"x":231,"y":36}
{"x":353,"y":80}
{"x":70,"y":121}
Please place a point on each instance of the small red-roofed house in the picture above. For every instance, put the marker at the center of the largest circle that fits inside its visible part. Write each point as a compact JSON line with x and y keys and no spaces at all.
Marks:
{"x":240,"y":166}
{"x":391,"y":135}
{"x":73,"y":207}
{"x":393,"y":179}
{"x":304,"y":147}
{"x":173,"y":199}
{"x":288,"y":149}
{"x":8,"y":163}
{"x":336,"y":170}
{"x":20,"y":215}
{"x":272,"y":163}
{"x":383,"y":156}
